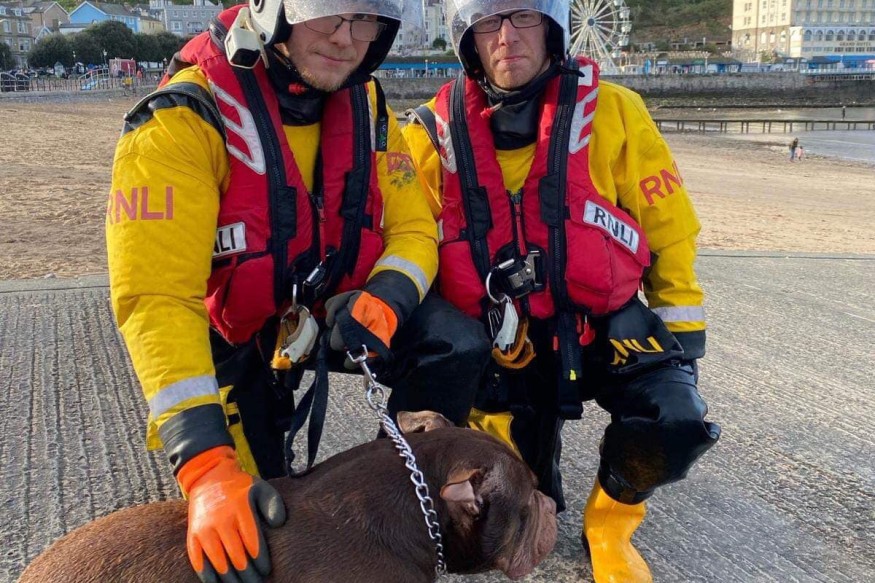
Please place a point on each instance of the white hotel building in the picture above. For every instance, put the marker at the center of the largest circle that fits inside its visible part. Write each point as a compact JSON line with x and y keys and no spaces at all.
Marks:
{"x":804,"y":28}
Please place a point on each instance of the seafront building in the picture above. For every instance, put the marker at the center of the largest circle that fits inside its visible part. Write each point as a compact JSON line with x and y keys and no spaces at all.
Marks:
{"x":423,"y":41}
{"x":186,"y":20}
{"x":839,"y":30}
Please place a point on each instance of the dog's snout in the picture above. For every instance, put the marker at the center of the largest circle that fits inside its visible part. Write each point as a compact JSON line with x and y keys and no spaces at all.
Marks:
{"x":546,"y":503}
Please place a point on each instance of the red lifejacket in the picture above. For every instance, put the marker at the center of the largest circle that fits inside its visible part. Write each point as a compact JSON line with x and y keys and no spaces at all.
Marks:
{"x":272,"y":232}
{"x":594,"y":250}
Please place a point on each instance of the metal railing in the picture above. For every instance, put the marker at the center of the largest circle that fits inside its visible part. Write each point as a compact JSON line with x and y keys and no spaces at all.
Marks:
{"x":18,"y":83}
{"x":747,"y":126}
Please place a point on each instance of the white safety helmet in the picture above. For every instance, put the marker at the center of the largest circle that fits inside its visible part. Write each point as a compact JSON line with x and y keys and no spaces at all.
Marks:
{"x":272,"y":20}
{"x":461,"y":14}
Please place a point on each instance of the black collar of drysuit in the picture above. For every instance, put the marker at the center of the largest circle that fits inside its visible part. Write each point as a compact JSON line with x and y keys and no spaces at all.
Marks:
{"x":300,"y":104}
{"x":515,"y":114}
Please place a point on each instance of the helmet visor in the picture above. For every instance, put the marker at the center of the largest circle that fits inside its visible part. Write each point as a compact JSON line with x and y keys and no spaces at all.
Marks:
{"x":461,"y":14}
{"x":301,"y":10}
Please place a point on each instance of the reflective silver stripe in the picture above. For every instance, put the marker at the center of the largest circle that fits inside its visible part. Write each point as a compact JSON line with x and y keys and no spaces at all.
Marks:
{"x":409,"y":268}
{"x":681,"y":314}
{"x":581,"y":124}
{"x":174,"y":394}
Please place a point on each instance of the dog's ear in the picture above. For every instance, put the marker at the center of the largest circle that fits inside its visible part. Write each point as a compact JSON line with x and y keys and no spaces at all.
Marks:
{"x":421,"y":421}
{"x":461,"y":493}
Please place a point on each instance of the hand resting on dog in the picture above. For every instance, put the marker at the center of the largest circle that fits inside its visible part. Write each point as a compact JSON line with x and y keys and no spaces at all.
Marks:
{"x":353,"y":518}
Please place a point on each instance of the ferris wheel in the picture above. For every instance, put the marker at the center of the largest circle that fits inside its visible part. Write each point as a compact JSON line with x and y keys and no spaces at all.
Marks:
{"x":600,"y":31}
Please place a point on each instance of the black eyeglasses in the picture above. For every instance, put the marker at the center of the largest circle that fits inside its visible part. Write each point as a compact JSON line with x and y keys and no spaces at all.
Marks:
{"x":362,"y":27}
{"x":519,"y":19}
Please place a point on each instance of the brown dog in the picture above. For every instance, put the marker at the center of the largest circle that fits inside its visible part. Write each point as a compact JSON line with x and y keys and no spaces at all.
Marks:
{"x":353,"y":518}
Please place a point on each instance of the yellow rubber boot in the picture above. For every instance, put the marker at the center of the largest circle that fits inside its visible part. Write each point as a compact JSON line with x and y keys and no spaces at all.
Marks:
{"x":495,"y":424}
{"x":608,"y":526}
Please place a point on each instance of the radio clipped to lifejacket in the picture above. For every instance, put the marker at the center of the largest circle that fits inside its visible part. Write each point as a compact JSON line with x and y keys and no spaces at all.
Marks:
{"x":243,"y":44}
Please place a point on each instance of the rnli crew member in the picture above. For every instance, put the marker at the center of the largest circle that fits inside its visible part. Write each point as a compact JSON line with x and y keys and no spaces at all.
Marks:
{"x":262,"y":190}
{"x":553,"y":192}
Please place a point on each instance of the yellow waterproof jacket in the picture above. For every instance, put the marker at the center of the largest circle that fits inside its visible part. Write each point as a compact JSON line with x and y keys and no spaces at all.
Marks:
{"x":160,"y":247}
{"x":632,"y":167}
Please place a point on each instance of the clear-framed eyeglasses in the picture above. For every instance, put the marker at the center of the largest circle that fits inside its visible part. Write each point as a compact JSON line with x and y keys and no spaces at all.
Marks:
{"x":519,"y":19}
{"x":362,"y":27}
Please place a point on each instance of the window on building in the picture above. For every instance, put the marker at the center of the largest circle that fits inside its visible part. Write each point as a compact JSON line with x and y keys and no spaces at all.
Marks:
{"x":6,"y":27}
{"x":807,"y":36}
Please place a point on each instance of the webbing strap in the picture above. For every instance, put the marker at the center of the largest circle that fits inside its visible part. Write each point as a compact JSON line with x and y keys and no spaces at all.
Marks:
{"x":426,"y":118}
{"x":313,"y":404}
{"x":381,"y":123}
{"x":569,"y":405}
{"x":282,"y":197}
{"x":478,"y":216}
{"x":357,"y":186}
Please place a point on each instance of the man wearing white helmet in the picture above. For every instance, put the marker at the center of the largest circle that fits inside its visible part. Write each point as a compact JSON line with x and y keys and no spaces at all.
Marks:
{"x":265,"y":216}
{"x":554,"y":193}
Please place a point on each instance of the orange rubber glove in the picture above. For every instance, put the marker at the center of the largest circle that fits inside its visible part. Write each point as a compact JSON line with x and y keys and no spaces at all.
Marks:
{"x":356,"y":318}
{"x":222,"y":520}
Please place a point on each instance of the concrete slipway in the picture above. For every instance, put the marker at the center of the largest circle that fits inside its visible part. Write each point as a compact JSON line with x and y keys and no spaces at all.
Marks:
{"x":787,"y":495}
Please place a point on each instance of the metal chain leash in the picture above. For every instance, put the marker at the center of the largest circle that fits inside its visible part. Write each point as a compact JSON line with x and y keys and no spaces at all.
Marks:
{"x":375,"y":393}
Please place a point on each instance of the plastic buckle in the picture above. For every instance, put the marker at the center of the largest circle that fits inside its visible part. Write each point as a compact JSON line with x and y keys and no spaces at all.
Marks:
{"x":316,"y":281}
{"x":518,"y":277}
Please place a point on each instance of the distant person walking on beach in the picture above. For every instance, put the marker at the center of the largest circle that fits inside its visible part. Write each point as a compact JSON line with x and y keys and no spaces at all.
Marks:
{"x":800,"y":153}
{"x":793,"y":145}
{"x":844,"y":111}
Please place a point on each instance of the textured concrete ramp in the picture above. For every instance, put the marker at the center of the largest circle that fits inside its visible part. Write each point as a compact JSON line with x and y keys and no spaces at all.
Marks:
{"x":787,"y":495}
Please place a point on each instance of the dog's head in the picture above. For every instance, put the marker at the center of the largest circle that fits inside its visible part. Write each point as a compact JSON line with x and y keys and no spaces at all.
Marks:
{"x":495,"y":518}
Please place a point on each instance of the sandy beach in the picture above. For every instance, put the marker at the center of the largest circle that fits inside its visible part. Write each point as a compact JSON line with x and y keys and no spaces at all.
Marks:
{"x":56,"y":158}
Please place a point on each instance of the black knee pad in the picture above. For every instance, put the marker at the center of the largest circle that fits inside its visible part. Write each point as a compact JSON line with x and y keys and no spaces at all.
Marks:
{"x":441,"y":354}
{"x":658,"y":430}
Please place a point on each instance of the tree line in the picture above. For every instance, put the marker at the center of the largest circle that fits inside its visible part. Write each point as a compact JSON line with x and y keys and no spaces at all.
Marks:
{"x":116,"y":39}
